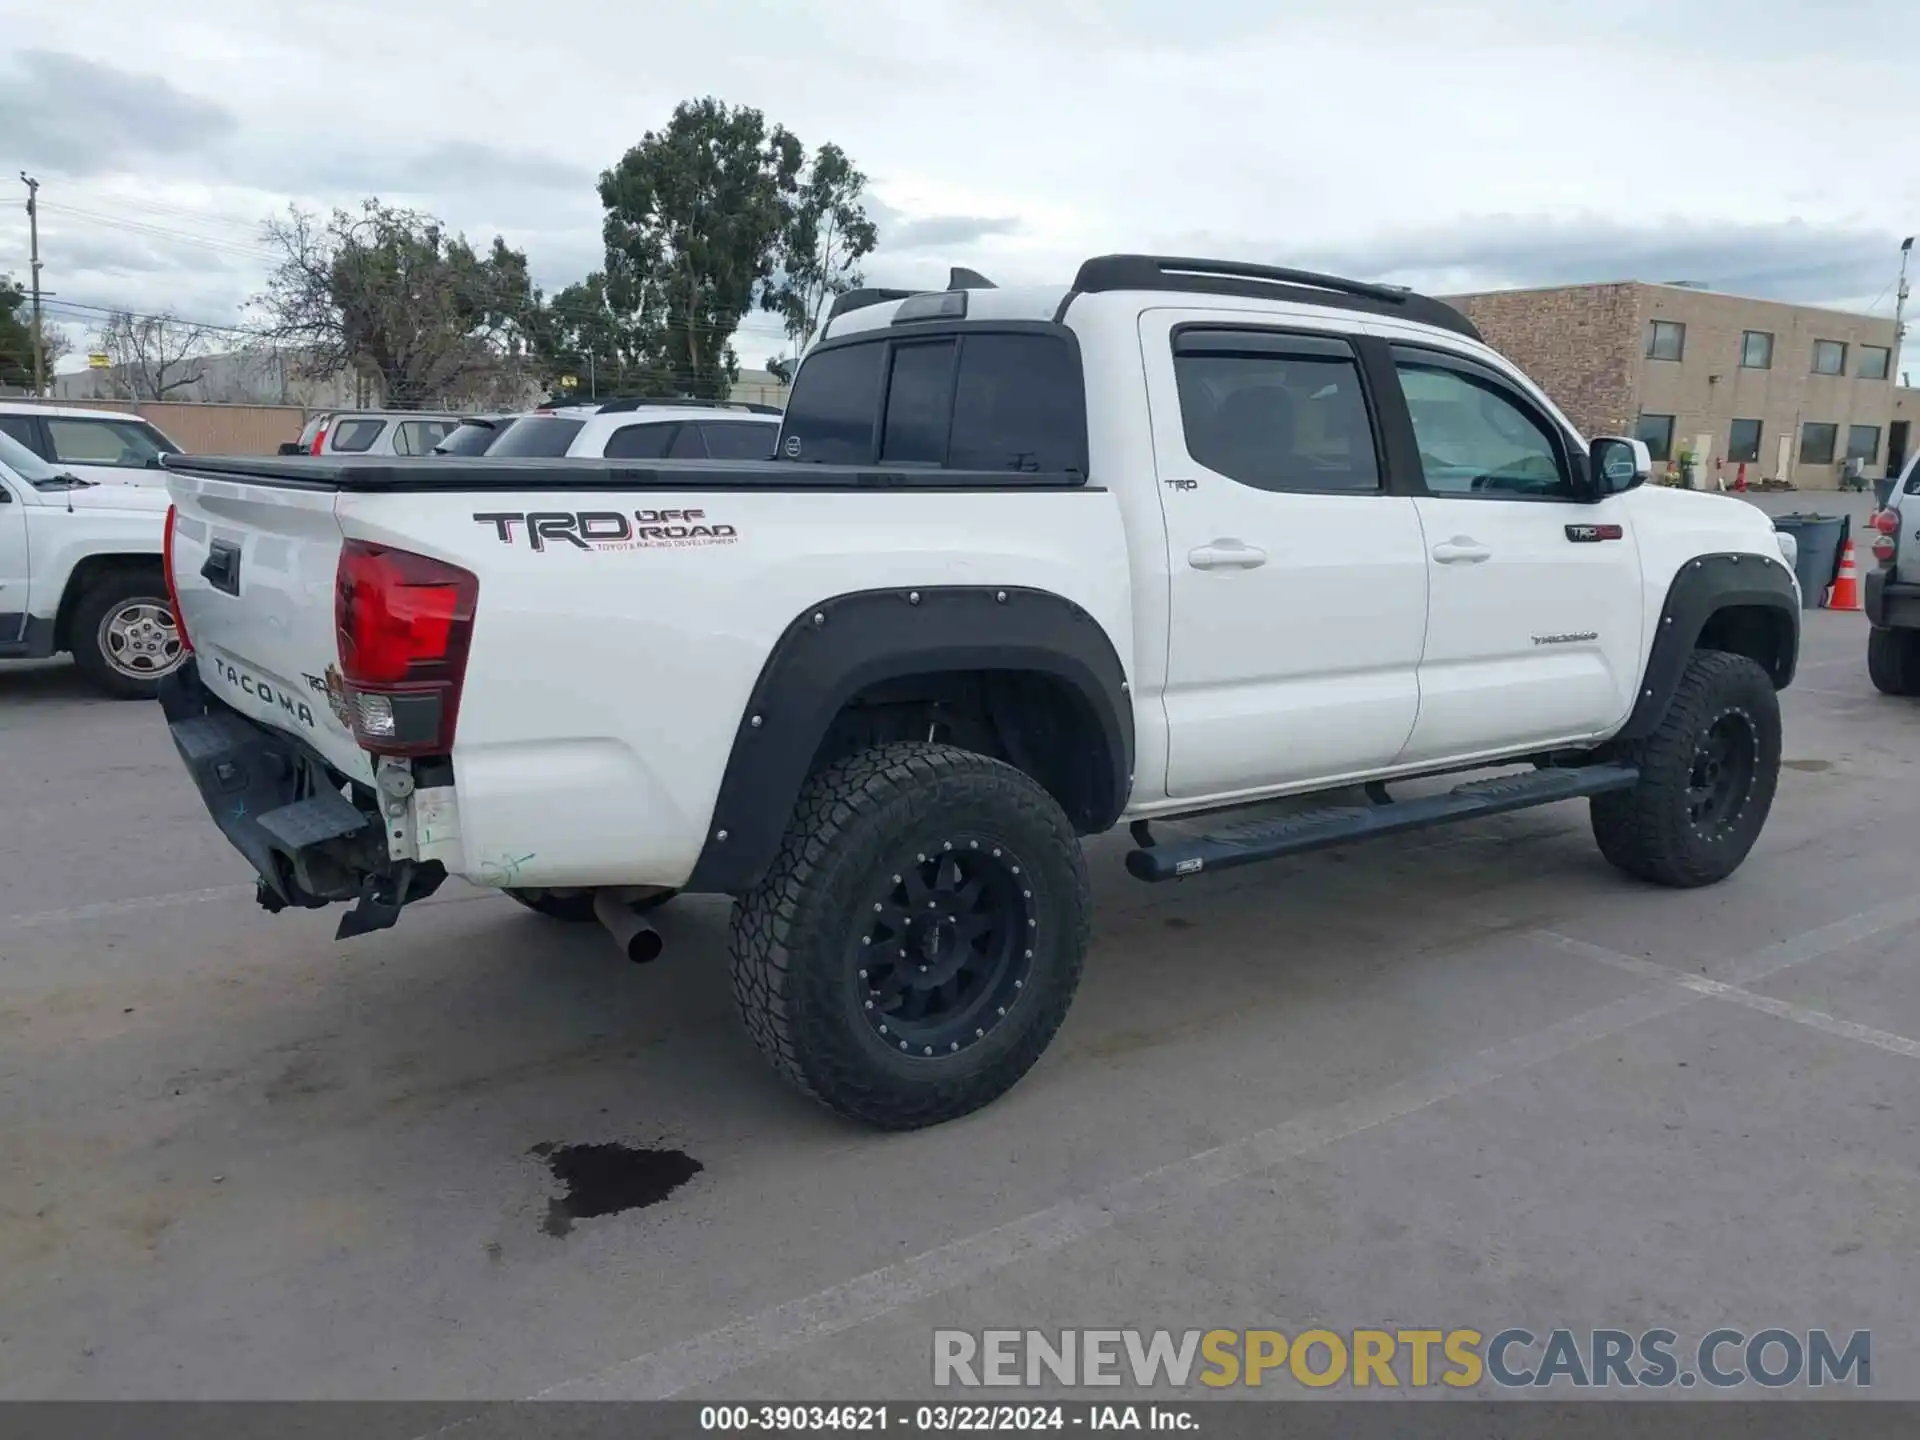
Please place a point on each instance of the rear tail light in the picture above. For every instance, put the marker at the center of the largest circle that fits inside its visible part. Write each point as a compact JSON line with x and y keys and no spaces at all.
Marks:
{"x":173,"y":591}
{"x":403,"y":623}
{"x":1886,"y":541}
{"x":319,"y":439}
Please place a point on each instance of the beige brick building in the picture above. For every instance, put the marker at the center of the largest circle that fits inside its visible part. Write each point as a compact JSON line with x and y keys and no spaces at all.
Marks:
{"x":1793,"y":391}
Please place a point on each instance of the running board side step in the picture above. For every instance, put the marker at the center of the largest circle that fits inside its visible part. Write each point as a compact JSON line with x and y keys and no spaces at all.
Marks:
{"x":1342,"y":824}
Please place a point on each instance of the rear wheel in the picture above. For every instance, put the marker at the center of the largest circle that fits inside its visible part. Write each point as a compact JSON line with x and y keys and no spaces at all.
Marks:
{"x":1707,"y":778}
{"x":918,"y":939}
{"x":1893,"y":661}
{"x":123,"y":636}
{"x":576,"y":906}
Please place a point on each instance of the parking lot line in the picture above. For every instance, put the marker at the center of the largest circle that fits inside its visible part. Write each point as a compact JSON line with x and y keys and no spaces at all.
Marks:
{"x":705,"y":1358}
{"x":1720,"y":990}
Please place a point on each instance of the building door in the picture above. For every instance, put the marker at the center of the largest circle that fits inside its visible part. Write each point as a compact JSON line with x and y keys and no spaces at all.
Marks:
{"x":1896,"y":446}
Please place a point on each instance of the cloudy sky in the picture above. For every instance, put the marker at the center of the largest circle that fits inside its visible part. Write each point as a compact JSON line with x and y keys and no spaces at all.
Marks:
{"x":1770,"y":147}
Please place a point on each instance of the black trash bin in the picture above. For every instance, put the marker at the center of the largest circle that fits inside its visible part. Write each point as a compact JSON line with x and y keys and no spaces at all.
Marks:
{"x":1821,"y":538}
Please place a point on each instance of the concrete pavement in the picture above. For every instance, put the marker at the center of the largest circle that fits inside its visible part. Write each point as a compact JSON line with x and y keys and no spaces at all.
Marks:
{"x":1468,"y":1078}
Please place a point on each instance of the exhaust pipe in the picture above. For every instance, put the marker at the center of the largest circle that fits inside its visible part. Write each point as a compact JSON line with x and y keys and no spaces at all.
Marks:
{"x":637,"y":939}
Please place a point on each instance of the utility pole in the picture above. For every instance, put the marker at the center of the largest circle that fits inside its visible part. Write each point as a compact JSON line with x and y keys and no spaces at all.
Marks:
{"x":1900,"y":304}
{"x":33,"y":274}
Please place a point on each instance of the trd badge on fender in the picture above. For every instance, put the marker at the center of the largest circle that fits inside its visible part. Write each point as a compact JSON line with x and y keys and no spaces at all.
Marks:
{"x":1587,"y":534}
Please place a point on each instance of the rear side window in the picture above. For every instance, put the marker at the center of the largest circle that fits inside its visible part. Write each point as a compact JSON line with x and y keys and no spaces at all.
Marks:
{"x":356,"y":437}
{"x":641,"y":442}
{"x":1276,"y":412}
{"x":737,"y":441}
{"x":418,"y":437}
{"x":541,"y":437}
{"x":836,"y":396}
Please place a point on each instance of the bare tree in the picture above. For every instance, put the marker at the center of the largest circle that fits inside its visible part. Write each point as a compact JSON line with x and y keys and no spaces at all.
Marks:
{"x":152,"y":356}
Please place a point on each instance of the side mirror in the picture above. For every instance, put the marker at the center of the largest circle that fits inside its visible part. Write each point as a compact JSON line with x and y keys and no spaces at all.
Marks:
{"x":289,"y":447}
{"x":1618,"y":464}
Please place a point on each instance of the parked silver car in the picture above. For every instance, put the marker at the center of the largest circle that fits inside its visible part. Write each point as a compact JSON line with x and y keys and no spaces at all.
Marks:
{"x":373,"y":432}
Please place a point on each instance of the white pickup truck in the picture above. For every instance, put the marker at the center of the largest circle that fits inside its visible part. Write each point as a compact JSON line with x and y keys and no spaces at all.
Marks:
{"x":1180,"y":537}
{"x":80,"y":571}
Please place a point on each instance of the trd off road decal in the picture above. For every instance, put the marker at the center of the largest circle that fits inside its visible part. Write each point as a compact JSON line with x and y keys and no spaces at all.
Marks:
{"x":607,"y":529}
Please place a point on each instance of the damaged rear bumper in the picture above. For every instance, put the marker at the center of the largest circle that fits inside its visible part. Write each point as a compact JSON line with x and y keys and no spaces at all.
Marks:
{"x":312,"y":836}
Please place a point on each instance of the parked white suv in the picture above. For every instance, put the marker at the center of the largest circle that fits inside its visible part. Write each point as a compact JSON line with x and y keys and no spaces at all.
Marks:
{"x":1183,"y":536}
{"x":645,"y":430}
{"x":81,"y":571}
{"x":106,"y":447}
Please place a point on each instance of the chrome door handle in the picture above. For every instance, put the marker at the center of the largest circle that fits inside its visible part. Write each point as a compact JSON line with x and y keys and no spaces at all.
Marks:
{"x":1461,"y":551}
{"x":1227,"y":555}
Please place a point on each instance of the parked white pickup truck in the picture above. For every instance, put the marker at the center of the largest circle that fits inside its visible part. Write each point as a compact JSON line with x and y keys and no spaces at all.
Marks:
{"x":80,"y":571}
{"x":1183,"y":536}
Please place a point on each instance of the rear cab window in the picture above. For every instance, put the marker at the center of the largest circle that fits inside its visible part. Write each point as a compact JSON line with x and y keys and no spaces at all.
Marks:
{"x":982,"y":397}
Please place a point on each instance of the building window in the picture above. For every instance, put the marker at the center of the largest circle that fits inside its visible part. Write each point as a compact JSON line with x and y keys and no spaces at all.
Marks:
{"x":1863,"y":443}
{"x":1816,"y":443}
{"x":1756,"y":350}
{"x":1657,"y":433}
{"x":1829,"y":357}
{"x":1875,"y":362}
{"x":1743,"y":442}
{"x":1666,"y":340}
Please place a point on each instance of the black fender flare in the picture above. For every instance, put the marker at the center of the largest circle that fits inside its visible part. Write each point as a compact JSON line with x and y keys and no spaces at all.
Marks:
{"x":1704,"y":587}
{"x":839,"y":647}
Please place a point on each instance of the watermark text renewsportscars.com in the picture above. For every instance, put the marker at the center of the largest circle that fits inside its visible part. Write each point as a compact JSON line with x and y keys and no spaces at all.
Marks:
{"x":1404,"y":1359}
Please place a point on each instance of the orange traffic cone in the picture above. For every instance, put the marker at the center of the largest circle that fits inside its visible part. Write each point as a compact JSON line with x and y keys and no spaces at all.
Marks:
{"x":1845,"y":594}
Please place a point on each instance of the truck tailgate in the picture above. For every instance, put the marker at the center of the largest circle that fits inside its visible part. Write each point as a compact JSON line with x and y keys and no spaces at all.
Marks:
{"x":254,"y":568}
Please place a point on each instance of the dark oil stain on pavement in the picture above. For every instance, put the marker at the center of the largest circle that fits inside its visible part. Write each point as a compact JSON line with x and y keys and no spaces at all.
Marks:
{"x":607,"y":1179}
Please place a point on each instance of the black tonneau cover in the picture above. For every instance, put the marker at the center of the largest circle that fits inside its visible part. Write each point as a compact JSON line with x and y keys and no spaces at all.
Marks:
{"x":478,"y":472}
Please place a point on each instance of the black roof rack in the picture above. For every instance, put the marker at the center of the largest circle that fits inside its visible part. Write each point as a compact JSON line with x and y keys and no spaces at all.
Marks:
{"x":1266,"y":282}
{"x":642,"y":402}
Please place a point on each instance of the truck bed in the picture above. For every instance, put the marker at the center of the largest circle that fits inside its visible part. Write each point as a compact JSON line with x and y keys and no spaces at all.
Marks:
{"x":624,"y":615}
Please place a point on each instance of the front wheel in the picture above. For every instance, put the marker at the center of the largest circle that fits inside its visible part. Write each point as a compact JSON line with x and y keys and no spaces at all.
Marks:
{"x":1893,"y":660}
{"x":123,"y":636}
{"x":918,"y":939}
{"x":1707,"y":778}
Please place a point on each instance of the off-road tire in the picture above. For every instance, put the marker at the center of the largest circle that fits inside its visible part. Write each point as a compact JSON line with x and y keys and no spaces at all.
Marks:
{"x":575,"y":907}
{"x":799,"y":938}
{"x":1652,"y":831}
{"x":101,"y":598}
{"x":1893,"y":660}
